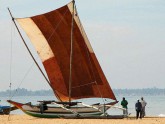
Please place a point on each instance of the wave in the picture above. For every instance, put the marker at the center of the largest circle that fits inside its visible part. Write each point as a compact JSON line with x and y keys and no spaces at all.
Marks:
{"x":161,"y":115}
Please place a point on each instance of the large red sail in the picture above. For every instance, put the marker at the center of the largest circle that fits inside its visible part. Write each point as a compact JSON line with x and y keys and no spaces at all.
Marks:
{"x":50,"y":34}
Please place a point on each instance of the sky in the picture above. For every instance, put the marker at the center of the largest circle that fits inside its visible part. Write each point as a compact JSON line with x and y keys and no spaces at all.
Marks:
{"x":127,"y":37}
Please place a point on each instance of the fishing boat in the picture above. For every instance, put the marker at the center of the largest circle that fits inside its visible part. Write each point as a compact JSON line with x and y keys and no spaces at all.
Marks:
{"x":73,"y":71}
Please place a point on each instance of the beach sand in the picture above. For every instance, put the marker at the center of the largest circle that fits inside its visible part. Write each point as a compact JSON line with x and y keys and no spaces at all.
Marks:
{"x":25,"y":119}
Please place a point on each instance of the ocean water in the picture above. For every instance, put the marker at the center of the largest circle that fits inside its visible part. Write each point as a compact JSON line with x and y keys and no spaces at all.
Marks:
{"x":155,"y":104}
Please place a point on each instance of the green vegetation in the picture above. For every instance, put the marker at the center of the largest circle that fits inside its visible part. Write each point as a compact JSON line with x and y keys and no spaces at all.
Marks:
{"x":147,"y":91}
{"x":25,"y":92}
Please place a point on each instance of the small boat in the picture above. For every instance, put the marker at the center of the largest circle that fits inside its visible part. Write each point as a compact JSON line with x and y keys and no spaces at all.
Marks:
{"x":5,"y":110}
{"x":70,"y":63}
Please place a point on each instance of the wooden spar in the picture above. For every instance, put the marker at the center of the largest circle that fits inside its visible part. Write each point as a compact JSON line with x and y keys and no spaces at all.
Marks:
{"x":28,"y":48}
{"x":71,"y":53}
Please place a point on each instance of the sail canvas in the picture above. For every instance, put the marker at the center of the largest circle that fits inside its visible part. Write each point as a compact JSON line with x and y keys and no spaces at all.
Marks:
{"x":50,"y":33}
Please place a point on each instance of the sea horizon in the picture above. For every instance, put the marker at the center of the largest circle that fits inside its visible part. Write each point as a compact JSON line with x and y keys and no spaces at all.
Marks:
{"x":155,"y":103}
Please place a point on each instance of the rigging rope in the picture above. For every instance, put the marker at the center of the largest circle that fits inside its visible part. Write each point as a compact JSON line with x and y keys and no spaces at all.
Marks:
{"x":11,"y":59}
{"x":19,"y":85}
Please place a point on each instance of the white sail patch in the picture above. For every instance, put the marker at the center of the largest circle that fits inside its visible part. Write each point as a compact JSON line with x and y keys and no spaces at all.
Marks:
{"x":37,"y":38}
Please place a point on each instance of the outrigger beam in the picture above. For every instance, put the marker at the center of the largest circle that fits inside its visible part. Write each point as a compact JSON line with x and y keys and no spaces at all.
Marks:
{"x":90,"y":106}
{"x":118,"y":107}
{"x":74,"y":112}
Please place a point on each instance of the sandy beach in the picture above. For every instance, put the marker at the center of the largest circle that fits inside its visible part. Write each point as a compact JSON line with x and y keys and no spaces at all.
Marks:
{"x":25,"y":119}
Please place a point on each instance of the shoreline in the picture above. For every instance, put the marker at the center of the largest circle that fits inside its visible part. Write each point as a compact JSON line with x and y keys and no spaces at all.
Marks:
{"x":26,"y":119}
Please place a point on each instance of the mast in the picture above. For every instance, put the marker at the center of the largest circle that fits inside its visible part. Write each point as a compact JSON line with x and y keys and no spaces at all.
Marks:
{"x":71,"y":53}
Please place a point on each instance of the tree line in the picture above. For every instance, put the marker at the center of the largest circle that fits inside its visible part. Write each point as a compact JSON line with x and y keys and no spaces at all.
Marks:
{"x":26,"y":92}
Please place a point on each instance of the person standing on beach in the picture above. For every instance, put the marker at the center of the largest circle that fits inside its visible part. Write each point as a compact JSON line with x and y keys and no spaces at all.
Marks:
{"x":41,"y":108}
{"x":124,"y":104}
{"x":143,"y":102}
{"x":138,"y":108}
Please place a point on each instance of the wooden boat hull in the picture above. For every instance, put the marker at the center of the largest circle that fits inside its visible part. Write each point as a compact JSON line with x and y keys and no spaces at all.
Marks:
{"x":58,"y":112}
{"x":62,"y":115}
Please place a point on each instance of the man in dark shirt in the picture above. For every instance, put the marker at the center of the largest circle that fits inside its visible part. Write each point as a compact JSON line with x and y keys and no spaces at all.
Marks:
{"x":124,"y":104}
{"x":138,"y":107}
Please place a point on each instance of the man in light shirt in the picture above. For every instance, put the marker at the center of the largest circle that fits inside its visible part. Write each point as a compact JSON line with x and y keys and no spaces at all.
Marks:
{"x":144,"y":103}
